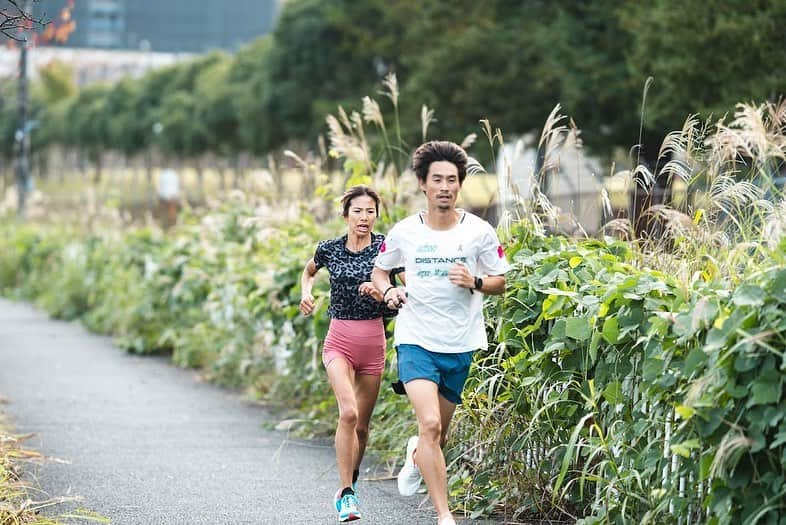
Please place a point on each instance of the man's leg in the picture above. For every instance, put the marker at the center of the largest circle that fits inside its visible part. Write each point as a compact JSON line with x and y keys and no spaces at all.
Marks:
{"x":425,"y":399}
{"x":366,"y":392}
{"x":342,"y":377}
{"x":446,"y":410}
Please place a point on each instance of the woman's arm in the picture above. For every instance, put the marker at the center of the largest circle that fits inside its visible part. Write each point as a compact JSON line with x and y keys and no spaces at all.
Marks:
{"x":306,"y":284}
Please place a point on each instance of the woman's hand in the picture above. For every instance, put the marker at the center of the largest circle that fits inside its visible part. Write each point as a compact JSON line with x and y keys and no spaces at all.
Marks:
{"x":369,"y":289}
{"x":306,"y":304}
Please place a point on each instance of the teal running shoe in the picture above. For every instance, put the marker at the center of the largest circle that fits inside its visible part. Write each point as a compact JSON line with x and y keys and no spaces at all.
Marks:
{"x":348,"y":509}
{"x":337,"y":497}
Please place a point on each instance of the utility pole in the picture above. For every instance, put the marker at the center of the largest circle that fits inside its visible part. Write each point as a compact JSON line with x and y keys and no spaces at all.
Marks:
{"x":22,"y":134}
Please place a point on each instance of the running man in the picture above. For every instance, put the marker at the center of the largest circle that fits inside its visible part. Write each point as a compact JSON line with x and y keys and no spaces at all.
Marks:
{"x":451,"y":258}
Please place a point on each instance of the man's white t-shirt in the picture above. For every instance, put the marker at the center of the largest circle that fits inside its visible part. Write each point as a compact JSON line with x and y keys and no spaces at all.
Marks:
{"x":440,"y":316}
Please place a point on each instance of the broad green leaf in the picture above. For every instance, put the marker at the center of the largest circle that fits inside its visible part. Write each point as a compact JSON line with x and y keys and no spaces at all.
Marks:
{"x":611,"y":330}
{"x":518,"y":316}
{"x":745,"y":363}
{"x":683,"y":449}
{"x":557,"y":291}
{"x":778,"y":286}
{"x":613,"y":393}
{"x":578,"y":328}
{"x":552,"y":306}
{"x":575,"y":261}
{"x":603,"y":310}
{"x":722,"y":316}
{"x":529,"y":381}
{"x":736,"y":391}
{"x":704,"y":312}
{"x":695,"y":359}
{"x":652,"y":368}
{"x":766,"y":388}
{"x":593,"y":348}
{"x":685,"y":412}
{"x":748,"y":295}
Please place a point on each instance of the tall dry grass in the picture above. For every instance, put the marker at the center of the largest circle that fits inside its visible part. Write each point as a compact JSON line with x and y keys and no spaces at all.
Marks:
{"x":732,"y":172}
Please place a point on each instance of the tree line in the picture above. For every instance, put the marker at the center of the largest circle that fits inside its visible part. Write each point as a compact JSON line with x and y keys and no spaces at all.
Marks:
{"x":509,"y":62}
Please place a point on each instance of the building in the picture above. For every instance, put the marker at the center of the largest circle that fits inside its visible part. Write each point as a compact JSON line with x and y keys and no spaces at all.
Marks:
{"x":567,"y":185}
{"x":90,"y":65}
{"x":168,"y":26}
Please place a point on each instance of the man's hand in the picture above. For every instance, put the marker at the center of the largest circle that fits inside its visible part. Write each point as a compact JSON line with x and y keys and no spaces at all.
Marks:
{"x":460,"y":276}
{"x":369,"y":289}
{"x":307,"y":304}
{"x":395,"y":298}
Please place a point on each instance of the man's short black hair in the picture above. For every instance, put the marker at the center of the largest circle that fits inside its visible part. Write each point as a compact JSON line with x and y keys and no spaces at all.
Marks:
{"x":439,"y":150}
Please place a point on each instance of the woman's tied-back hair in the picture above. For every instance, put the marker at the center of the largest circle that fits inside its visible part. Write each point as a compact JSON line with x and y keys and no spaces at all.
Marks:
{"x":437,"y":150}
{"x":357,"y":191}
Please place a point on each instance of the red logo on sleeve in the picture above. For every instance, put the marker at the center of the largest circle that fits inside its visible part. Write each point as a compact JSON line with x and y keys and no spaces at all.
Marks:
{"x":382,"y":248}
{"x":500,"y":251}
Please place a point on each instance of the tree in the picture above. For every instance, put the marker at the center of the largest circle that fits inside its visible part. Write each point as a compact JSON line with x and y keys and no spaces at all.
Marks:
{"x":705,"y":56}
{"x":581,"y":49}
{"x":250,"y":81}
{"x":215,"y":118}
{"x":123,"y":134}
{"x":88,"y":121}
{"x":50,"y":97}
{"x":327,"y":53}
{"x":15,"y":17}
{"x":145,"y":105}
{"x":483,"y":69}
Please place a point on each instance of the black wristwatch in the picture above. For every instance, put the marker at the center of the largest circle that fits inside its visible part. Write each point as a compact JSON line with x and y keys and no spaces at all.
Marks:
{"x":478,"y":283}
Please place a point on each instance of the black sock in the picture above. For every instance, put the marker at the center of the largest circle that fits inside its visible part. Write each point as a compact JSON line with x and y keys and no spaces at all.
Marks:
{"x":355,"y":475}
{"x":347,"y":490}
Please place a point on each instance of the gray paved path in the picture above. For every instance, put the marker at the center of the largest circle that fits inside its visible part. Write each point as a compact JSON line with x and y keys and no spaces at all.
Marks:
{"x":148,"y":444}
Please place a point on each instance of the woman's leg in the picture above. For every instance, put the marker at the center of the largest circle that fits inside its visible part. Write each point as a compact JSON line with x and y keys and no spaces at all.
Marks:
{"x":366,"y":392}
{"x":342,"y":378}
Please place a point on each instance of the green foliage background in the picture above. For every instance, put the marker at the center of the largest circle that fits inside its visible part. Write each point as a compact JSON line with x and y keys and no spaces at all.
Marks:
{"x":610,"y":393}
{"x":509,"y":62}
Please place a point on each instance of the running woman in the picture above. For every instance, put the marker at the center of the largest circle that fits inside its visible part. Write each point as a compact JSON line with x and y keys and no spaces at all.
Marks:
{"x":354,"y":348}
{"x":451,"y":259}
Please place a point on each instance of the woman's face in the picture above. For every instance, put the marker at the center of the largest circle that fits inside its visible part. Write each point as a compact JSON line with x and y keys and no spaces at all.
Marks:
{"x":361,"y":215}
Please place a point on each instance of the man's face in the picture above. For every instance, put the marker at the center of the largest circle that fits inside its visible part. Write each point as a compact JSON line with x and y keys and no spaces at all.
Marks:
{"x":442,"y":185}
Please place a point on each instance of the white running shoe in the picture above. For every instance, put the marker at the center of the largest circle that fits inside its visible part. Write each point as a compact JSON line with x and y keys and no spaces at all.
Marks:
{"x":409,"y":477}
{"x":447,"y":521}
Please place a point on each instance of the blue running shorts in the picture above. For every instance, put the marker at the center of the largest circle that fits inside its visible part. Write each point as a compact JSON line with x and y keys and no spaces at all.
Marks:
{"x":448,"y":371}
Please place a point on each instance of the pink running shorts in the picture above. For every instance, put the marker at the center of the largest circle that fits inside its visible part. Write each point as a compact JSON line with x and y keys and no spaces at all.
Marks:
{"x":360,"y":342}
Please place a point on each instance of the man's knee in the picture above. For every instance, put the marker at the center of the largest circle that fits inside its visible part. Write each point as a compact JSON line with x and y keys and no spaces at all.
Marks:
{"x":362,"y":432}
{"x":431,"y":428}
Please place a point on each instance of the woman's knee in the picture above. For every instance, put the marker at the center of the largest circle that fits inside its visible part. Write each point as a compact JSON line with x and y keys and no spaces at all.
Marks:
{"x":348,"y":415}
{"x":362,"y":432}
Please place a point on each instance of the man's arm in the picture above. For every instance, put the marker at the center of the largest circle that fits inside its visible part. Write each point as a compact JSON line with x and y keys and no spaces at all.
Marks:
{"x":460,"y":275}
{"x":493,"y":285}
{"x":380,"y":278}
{"x":392,"y":296}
